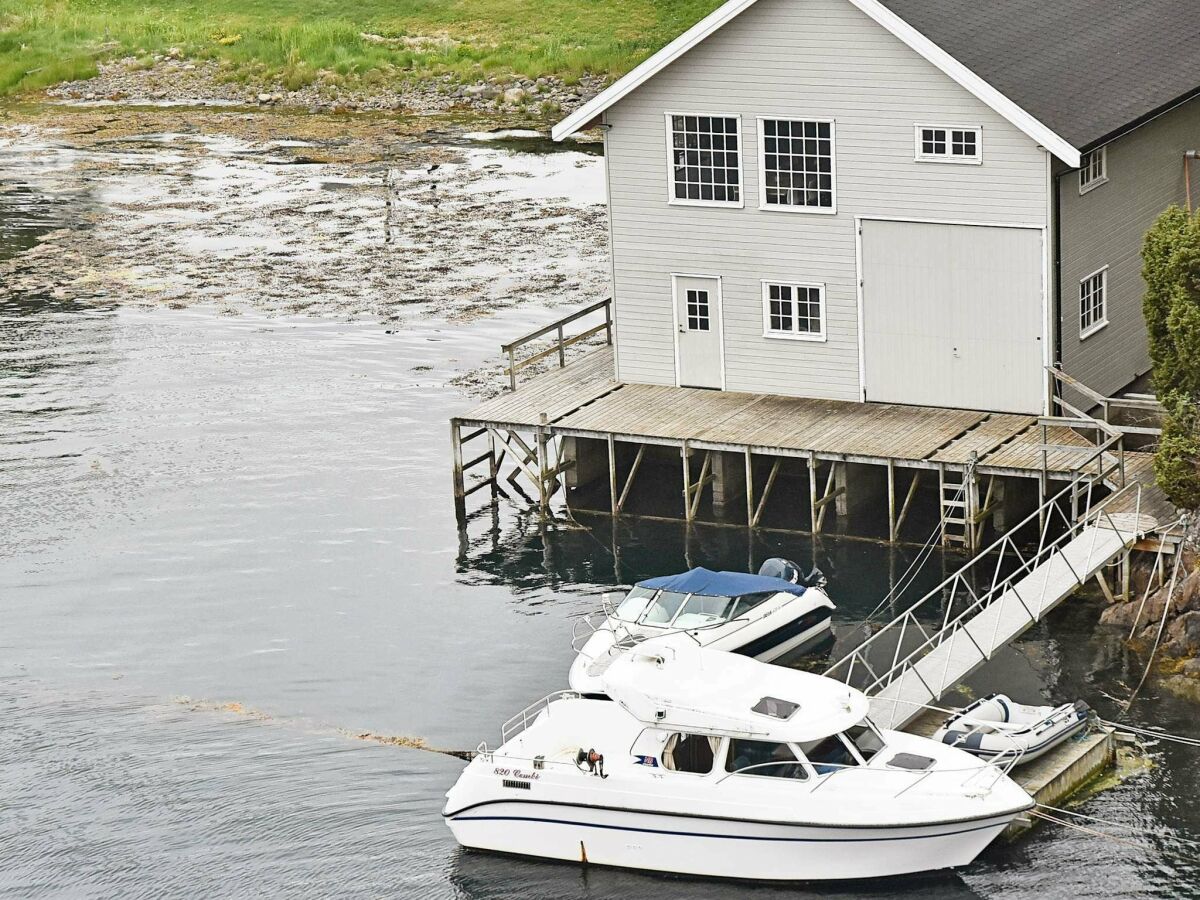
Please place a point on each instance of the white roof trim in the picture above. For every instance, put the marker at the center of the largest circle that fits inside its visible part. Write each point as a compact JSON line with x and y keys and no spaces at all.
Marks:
{"x":934,"y":54}
{"x":648,"y":68}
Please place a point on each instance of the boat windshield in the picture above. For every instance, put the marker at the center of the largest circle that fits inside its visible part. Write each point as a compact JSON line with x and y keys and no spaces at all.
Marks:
{"x":866,"y":738}
{"x":700,"y":611}
{"x":652,"y":607}
{"x":634,"y":604}
{"x":828,"y":754}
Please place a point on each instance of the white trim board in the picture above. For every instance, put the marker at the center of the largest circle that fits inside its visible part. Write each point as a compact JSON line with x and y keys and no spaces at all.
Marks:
{"x":915,"y":40}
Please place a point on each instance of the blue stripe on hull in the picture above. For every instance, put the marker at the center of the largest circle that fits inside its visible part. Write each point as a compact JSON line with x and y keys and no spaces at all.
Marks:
{"x":786,"y":632}
{"x":731,"y":837}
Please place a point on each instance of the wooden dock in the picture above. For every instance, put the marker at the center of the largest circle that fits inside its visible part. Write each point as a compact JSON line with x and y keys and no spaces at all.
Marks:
{"x":726,"y":438}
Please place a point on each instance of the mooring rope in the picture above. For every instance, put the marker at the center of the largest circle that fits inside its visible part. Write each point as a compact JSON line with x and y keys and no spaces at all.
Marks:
{"x":916,"y":565}
{"x":1152,"y":733}
{"x":1109,"y":822}
{"x":1162,"y":624}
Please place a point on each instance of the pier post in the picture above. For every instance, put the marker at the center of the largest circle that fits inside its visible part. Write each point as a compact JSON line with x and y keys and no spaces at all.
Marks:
{"x":612,"y":474}
{"x":814,"y":524}
{"x":841,"y":504}
{"x":460,"y":493}
{"x":891,"y":492}
{"x":727,"y":482}
{"x":543,"y":490}
{"x":750,"y":492}
{"x":687,"y":483}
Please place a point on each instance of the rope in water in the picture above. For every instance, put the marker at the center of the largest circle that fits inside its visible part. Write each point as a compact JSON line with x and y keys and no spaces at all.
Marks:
{"x":1104,"y":835}
{"x":1153,"y":733}
{"x":915,"y":566}
{"x":1109,"y":822}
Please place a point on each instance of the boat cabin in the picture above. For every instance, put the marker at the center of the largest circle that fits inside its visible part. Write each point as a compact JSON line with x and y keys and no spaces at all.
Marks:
{"x":699,"y":598}
{"x":699,"y":753}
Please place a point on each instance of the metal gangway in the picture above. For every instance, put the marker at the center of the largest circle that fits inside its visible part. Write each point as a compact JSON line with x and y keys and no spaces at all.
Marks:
{"x":916,"y":658}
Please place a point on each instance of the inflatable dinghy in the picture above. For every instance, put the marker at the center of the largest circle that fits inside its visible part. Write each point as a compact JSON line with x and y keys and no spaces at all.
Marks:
{"x":995,"y":725}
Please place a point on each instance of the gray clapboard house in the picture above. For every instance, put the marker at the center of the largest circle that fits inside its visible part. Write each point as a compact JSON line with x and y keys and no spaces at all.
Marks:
{"x":914,"y":201}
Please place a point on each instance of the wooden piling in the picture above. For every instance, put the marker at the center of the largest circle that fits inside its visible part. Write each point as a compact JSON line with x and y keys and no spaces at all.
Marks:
{"x":460,"y":492}
{"x":612,"y":474}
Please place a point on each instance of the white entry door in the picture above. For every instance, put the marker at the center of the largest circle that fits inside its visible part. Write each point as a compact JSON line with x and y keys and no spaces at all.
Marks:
{"x":952,"y":315}
{"x":698,"y":331}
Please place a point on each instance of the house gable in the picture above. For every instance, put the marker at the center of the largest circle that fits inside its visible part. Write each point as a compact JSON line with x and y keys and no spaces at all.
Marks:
{"x":918,"y":42}
{"x":811,"y":61}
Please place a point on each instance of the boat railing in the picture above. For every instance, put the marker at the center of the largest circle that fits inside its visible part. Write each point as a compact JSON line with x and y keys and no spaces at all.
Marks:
{"x":529,"y":714}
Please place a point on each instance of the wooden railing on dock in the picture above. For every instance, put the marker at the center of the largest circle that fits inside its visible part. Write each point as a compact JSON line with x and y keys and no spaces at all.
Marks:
{"x":1106,"y":405}
{"x":561,"y":342}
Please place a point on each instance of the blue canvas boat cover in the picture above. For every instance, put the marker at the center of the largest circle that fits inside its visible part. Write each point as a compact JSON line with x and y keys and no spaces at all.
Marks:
{"x":708,"y":583}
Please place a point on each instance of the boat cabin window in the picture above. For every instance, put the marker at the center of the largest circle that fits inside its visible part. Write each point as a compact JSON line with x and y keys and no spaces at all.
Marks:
{"x":634,"y":604}
{"x":866,"y":739}
{"x":700,"y":611}
{"x":690,"y":753}
{"x":828,"y":754}
{"x":662,"y":608}
{"x":747,"y":602}
{"x":763,"y":758}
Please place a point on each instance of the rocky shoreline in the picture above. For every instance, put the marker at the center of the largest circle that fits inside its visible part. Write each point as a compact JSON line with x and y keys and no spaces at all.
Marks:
{"x":1176,"y":614}
{"x":173,"y":79}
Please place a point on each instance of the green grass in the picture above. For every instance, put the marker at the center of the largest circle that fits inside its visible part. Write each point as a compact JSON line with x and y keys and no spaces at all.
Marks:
{"x":299,"y":41}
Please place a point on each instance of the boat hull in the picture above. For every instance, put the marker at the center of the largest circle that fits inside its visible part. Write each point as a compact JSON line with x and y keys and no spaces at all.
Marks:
{"x":721,"y":848}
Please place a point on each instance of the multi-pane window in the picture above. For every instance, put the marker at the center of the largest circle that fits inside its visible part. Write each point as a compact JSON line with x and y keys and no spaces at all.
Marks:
{"x":1093,"y":299}
{"x":1093,"y":169}
{"x":948,"y":144}
{"x":797,"y":164}
{"x":705,"y":159}
{"x":794,"y":310}
{"x":697,"y":310}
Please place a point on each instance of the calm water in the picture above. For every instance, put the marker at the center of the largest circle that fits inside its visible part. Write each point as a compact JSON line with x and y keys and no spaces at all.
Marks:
{"x":227,"y":545}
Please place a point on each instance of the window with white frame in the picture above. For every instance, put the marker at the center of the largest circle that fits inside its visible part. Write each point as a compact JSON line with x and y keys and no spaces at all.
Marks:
{"x":794,"y":310}
{"x":797,"y":165}
{"x":1093,"y":169}
{"x":706,"y":162}
{"x":945,"y":143}
{"x":698,"y":311}
{"x":1093,"y":302}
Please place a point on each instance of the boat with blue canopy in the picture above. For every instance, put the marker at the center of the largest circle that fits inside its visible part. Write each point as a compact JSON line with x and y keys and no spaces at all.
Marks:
{"x":764,"y":616}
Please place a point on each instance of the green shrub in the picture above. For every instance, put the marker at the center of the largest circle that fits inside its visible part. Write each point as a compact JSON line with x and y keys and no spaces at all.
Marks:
{"x":1171,"y":308}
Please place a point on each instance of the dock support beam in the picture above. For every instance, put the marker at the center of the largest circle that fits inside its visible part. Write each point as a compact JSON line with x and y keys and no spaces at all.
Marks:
{"x":460,"y":493}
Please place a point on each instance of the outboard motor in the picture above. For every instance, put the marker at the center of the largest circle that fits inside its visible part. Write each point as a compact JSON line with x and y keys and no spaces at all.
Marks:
{"x":778,"y":567}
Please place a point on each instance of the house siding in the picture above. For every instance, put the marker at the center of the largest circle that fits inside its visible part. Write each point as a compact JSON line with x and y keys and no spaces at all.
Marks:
{"x":1105,"y":227}
{"x":821,"y":59}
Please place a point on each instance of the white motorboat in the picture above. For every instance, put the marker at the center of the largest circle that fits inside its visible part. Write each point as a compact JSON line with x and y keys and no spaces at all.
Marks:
{"x":995,"y":724}
{"x":763,"y":616}
{"x":714,"y":764}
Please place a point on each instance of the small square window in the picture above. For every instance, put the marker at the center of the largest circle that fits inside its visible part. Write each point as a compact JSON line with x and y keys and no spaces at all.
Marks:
{"x":938,"y":143}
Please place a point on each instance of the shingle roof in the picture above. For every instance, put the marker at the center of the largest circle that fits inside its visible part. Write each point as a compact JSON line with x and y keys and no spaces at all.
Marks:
{"x":1087,"y":69}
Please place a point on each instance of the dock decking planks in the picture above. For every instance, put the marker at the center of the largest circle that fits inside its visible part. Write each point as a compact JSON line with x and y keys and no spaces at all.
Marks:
{"x":585,"y":399}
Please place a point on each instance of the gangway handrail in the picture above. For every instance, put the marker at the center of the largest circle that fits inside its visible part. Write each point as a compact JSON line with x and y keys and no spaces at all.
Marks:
{"x":999,"y":587}
{"x":953,"y":627}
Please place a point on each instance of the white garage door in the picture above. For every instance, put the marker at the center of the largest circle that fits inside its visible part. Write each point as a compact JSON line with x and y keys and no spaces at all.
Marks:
{"x":952,"y":315}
